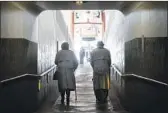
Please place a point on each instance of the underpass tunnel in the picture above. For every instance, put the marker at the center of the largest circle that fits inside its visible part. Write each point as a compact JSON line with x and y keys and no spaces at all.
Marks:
{"x":32,"y":34}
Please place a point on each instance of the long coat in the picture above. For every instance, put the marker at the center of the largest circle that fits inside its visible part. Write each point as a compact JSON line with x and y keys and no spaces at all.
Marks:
{"x":67,"y":63}
{"x":100,"y":62}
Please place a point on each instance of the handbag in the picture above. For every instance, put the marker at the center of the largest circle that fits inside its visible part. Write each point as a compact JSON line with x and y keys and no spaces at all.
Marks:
{"x":56,"y":75}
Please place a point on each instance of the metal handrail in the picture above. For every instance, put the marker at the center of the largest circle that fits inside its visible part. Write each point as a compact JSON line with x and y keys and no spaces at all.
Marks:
{"x":139,"y":77}
{"x":145,"y":78}
{"x":48,"y":70}
{"x":17,"y":77}
{"x":27,"y":74}
{"x":115,"y":68}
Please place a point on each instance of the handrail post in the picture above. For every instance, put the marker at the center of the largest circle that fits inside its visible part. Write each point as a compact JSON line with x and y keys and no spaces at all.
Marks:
{"x":143,"y":44}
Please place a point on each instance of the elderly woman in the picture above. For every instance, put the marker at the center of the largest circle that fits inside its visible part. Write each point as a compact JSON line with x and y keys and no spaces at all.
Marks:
{"x":67,"y":63}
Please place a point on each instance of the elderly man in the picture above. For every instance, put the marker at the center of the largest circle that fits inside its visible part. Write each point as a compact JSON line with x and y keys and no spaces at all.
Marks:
{"x":101,"y":62}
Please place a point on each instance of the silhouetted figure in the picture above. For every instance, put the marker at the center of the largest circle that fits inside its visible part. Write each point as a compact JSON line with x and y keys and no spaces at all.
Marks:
{"x":88,"y":56}
{"x":82,"y":55}
{"x":67,"y":63}
{"x":101,"y":62}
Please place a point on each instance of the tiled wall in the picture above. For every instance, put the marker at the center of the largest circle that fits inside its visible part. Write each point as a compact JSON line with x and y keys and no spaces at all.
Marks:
{"x":17,"y":56}
{"x":151,"y":63}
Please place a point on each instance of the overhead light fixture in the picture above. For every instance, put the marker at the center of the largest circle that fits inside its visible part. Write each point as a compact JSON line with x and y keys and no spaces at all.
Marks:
{"x":79,"y":2}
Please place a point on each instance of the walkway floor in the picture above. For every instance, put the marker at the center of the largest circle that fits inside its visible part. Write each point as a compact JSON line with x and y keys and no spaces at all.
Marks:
{"x":86,"y":102}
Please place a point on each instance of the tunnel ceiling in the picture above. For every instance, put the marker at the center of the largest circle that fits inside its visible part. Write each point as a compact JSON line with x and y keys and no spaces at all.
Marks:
{"x":93,"y":5}
{"x":39,"y":6}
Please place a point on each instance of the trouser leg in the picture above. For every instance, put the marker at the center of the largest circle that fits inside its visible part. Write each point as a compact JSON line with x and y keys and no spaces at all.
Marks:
{"x":68,"y":96}
{"x":105,"y":95}
{"x":62,"y":97}
{"x":97,"y":95}
{"x":101,"y":95}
